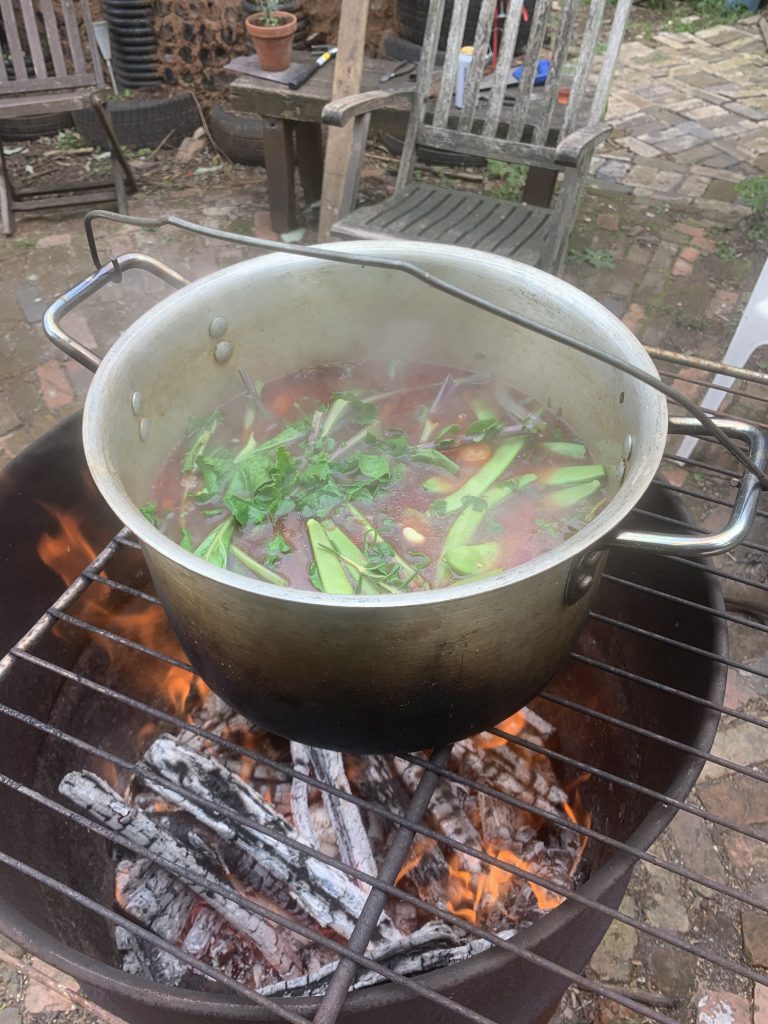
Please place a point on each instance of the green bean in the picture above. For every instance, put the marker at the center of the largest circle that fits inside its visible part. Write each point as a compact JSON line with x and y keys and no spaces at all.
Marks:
{"x":329,"y":568}
{"x":567,"y":496}
{"x":257,"y":568}
{"x":488,"y":474}
{"x":466,"y":525}
{"x":568,"y":449}
{"x":469,"y":559}
{"x":564,"y":475}
{"x":351,"y":554}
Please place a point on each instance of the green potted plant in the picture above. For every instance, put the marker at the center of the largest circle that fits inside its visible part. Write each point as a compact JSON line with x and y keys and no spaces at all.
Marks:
{"x":272,"y":31}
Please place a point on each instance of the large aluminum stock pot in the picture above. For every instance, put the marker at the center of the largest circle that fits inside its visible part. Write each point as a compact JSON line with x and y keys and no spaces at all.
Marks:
{"x":381,"y":673}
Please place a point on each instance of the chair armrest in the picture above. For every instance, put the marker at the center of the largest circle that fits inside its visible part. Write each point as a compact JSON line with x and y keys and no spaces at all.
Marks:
{"x":570,"y":150}
{"x":339,"y":112}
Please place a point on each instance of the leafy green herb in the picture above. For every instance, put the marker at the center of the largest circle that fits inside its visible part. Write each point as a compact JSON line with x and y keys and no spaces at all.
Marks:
{"x":548,"y":526}
{"x":377,"y":467}
{"x":203,"y":432}
{"x":215,"y":547}
{"x":149,"y":511}
{"x":433,"y":457}
{"x":275,"y":549}
{"x":186,"y":540}
{"x":485,"y":429}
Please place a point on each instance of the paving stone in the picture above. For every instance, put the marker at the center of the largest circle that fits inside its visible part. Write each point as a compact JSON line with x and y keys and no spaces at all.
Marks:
{"x":740,"y":689}
{"x":696,"y":842}
{"x":737,"y":798}
{"x":51,"y":241}
{"x":722,"y":1008}
{"x":681,"y":268}
{"x":612,"y":960}
{"x":39,"y":998}
{"x":665,"y":900}
{"x":747,"y":856}
{"x":9,"y":420}
{"x":723,"y":191}
{"x":55,"y":385}
{"x":761,"y":1004}
{"x":690,"y":254}
{"x":10,"y":1015}
{"x":754,"y":928}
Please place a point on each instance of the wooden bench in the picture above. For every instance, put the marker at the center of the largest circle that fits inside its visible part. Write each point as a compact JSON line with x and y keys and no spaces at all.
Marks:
{"x":49,"y":62}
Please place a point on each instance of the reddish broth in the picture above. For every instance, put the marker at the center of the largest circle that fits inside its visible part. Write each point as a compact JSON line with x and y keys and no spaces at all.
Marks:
{"x":355,"y":463}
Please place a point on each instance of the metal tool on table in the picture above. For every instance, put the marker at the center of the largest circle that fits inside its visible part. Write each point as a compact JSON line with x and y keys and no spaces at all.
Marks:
{"x":307,"y":71}
{"x":405,"y":67}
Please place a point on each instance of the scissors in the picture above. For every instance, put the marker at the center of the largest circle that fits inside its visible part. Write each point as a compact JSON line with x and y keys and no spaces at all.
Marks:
{"x":405,"y":67}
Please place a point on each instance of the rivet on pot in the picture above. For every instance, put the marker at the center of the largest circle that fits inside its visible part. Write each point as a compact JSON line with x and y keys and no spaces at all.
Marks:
{"x":217,"y":327}
{"x":222,"y":352}
{"x":143,"y":428}
{"x":136,"y":402}
{"x":626,"y":448}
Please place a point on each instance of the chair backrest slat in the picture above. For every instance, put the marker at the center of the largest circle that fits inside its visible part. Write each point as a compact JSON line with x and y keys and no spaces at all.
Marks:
{"x":33,"y":39}
{"x":75,"y":43}
{"x":552,"y":86}
{"x":93,"y":46}
{"x":618,"y":27}
{"x":18,"y":59}
{"x":451,"y":65}
{"x":586,"y":57}
{"x":53,"y":37}
{"x":479,"y":63}
{"x":429,"y":50}
{"x":524,"y":91}
{"x":503,"y":67}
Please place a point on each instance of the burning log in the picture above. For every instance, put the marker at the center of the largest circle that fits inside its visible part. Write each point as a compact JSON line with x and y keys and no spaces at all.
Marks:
{"x":354,"y":847}
{"x":102,"y":803}
{"x":434,"y":945}
{"x":302,"y":821}
{"x":323,"y":891}
{"x":160,"y":902}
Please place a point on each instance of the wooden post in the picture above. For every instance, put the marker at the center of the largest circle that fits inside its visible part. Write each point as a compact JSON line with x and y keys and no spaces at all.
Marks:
{"x":347,"y":80}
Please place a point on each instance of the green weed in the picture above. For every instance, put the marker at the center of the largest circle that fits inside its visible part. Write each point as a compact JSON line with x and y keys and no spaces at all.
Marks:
{"x":754,"y":192}
{"x":600,"y":259}
{"x":68,"y":138}
{"x":726,"y":252}
{"x":509,"y":179}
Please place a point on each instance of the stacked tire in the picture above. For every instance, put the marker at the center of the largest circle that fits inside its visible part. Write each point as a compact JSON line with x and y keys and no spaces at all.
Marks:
{"x":134,"y":43}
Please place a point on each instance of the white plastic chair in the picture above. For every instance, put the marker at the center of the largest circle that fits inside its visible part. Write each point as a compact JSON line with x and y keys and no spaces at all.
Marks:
{"x":751,"y":334}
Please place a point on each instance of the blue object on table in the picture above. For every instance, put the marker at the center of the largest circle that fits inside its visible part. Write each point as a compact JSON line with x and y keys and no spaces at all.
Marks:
{"x":542,"y":70}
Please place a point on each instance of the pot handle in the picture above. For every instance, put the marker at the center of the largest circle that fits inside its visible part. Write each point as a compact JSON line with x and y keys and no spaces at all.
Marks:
{"x":744,"y":507}
{"x":111,"y":272}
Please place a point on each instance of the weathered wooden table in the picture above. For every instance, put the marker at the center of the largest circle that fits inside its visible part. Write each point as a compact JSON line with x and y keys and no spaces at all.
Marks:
{"x":292,"y":132}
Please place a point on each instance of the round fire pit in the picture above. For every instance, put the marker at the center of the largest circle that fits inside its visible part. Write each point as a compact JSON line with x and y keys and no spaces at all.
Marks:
{"x":51,"y":479}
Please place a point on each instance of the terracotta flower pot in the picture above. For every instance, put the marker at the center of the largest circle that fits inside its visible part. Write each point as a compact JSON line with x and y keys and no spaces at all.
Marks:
{"x":272,"y":42}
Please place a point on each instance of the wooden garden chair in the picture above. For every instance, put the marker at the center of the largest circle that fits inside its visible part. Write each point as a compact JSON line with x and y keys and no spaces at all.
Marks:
{"x":551,"y":128}
{"x":49,"y":62}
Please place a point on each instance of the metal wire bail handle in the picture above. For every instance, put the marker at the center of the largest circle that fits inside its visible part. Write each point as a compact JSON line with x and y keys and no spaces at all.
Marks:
{"x":585,"y":569}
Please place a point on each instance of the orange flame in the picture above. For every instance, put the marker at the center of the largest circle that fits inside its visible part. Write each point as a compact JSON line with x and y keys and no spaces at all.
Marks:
{"x":66,"y":552}
{"x":513,"y":725}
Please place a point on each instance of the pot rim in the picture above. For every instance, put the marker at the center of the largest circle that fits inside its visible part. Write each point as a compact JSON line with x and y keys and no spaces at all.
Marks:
{"x":106,"y":477}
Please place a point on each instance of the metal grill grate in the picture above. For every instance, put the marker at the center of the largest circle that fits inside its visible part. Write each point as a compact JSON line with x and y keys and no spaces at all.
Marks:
{"x":719,"y":963}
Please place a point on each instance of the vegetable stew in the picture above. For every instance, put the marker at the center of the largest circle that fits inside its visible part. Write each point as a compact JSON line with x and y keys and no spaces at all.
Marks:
{"x":375,"y":478}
